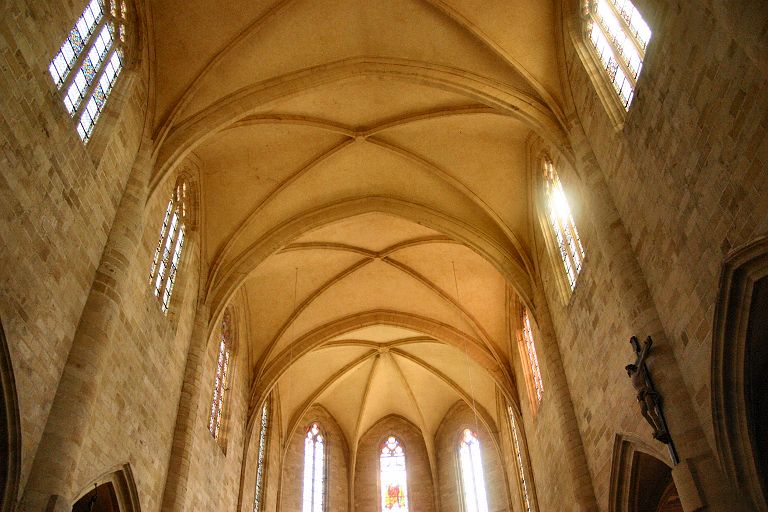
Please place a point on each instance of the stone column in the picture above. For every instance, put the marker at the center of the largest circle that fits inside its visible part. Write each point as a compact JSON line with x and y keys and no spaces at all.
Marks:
{"x":178,"y":468}
{"x":56,"y":460}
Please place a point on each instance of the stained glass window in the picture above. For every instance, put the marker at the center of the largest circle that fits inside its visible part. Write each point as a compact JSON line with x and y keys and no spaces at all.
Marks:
{"x":165,"y":262}
{"x":619,"y":36}
{"x":394,"y":489}
{"x":564,"y":229}
{"x":314,"y":470}
{"x":222,"y":373}
{"x":472,"y":479}
{"x":530,"y":352}
{"x":261,"y":458}
{"x":89,"y":61}
{"x":519,"y":459}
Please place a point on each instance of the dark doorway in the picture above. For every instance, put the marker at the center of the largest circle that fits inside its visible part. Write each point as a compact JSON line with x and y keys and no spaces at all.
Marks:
{"x":652,"y":487}
{"x":756,"y":381}
{"x":100,"y":499}
{"x":10,"y":440}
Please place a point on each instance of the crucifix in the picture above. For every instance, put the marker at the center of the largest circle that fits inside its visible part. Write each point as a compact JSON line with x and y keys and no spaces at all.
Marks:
{"x":647,"y":397}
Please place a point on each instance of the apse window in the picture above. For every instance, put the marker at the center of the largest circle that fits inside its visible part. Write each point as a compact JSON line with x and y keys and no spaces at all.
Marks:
{"x":261,"y":458}
{"x":89,"y":61}
{"x":534,"y":371}
{"x":519,"y":460}
{"x":221,"y":378}
{"x":165,"y":262}
{"x":394,"y":488}
{"x":563,"y":227}
{"x":314,"y":470}
{"x":619,"y":37}
{"x":471,"y":468}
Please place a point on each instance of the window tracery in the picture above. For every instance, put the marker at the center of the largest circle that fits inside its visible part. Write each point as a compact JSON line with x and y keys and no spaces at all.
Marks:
{"x":619,"y":36}
{"x":165,"y":262}
{"x":261,"y":458}
{"x":533,"y":360}
{"x":394,"y":488}
{"x":222,"y":374}
{"x":563,"y":227}
{"x":471,"y":468}
{"x":89,"y":62}
{"x":314,"y":470}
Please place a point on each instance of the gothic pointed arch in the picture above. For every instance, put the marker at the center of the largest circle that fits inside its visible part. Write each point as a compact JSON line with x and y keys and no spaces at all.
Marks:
{"x":113,"y":491}
{"x":739,"y":355}
{"x":10,"y":431}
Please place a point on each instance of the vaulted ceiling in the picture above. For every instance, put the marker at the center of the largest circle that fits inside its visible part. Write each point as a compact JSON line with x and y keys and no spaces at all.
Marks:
{"x":365,"y":195}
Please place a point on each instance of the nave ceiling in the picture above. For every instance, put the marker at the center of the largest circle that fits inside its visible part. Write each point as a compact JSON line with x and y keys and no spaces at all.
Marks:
{"x":375,"y":156}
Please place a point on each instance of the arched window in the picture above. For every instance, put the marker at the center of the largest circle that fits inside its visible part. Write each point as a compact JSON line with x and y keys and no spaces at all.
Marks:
{"x":89,"y":61}
{"x":472,"y":480}
{"x":258,"y":499}
{"x":165,"y":262}
{"x":534,"y":371}
{"x":314,"y":470}
{"x":519,"y":458}
{"x":618,"y":35}
{"x":564,"y":229}
{"x":222,"y":375}
{"x":394,"y":488}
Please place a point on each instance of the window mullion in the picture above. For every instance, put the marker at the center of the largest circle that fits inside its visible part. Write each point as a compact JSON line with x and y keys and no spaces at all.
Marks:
{"x":83,"y":55}
{"x":628,"y":30}
{"x":96,"y":79}
{"x":619,"y":59}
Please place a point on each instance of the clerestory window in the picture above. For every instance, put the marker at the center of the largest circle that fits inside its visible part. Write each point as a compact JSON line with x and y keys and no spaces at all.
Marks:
{"x":261,"y":459}
{"x":314,"y":470}
{"x":471,"y":468}
{"x":536,"y":383}
{"x":394,"y":485}
{"x":221,"y":378}
{"x":526,"y":497}
{"x":563,"y":227}
{"x":89,"y":61}
{"x":165,"y":262}
{"x":619,"y":36}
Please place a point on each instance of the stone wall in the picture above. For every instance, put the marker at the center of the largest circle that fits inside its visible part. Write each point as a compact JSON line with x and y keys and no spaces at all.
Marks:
{"x":58,"y":199}
{"x":419,"y":475}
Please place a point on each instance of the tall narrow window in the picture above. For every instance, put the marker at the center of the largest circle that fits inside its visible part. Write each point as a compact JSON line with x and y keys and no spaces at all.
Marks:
{"x":314,"y":470}
{"x":472,"y":480}
{"x":222,"y":374}
{"x":165,"y":262}
{"x":519,"y":459}
{"x":89,"y":61}
{"x":619,"y":37}
{"x":394,"y":488}
{"x":530,"y":352}
{"x":258,"y":499}
{"x":564,"y":229}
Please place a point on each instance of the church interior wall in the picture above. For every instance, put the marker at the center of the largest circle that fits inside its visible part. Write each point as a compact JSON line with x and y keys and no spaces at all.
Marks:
{"x":58,"y":201}
{"x":447,"y":438}
{"x":420,"y":487}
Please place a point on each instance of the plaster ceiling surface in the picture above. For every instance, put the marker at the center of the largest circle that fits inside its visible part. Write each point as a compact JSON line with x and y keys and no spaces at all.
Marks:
{"x":364,"y":189}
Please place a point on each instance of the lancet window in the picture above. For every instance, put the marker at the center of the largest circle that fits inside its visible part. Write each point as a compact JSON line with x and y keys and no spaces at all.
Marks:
{"x":261,"y":461}
{"x":471,"y":468}
{"x":619,"y":37}
{"x":165,"y":263}
{"x":530,"y":352}
{"x":519,"y":459}
{"x":89,"y":61}
{"x":314,"y":470}
{"x":394,"y":488}
{"x":221,"y":378}
{"x":563,"y":227}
